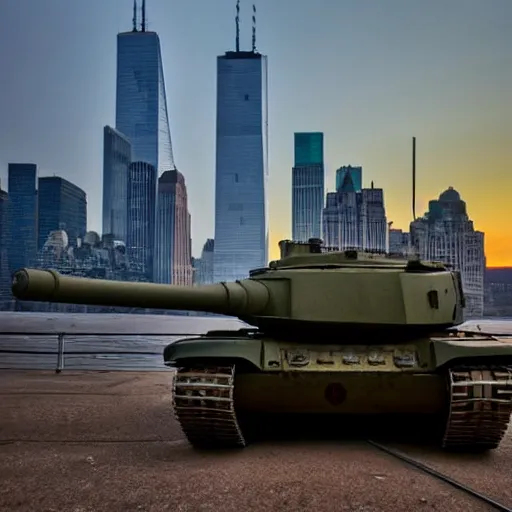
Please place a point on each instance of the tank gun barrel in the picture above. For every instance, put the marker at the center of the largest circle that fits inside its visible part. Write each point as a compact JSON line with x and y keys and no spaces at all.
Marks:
{"x":233,"y":298}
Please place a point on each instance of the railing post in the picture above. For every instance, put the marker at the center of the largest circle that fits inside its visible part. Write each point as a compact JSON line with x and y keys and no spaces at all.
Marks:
{"x":60,"y":353}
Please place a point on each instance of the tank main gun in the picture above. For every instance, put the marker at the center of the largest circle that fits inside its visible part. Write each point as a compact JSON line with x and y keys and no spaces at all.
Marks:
{"x":234,"y":298}
{"x":309,"y":290}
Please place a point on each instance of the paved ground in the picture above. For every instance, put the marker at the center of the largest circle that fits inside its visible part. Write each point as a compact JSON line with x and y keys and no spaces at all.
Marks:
{"x":106,"y":441}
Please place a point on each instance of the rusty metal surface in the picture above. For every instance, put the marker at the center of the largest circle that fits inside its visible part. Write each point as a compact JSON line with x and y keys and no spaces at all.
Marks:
{"x":84,"y":442}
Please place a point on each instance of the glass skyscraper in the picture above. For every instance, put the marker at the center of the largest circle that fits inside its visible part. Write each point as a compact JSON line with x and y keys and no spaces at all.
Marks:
{"x":140,"y":243}
{"x":141,"y":105}
{"x":23,"y":215}
{"x":117,"y":156}
{"x":61,"y":205}
{"x":308,"y":186}
{"x":5,"y":281}
{"x":241,"y":208}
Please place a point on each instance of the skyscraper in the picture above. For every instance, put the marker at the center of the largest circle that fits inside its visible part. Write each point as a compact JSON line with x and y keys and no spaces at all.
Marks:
{"x":141,"y":104}
{"x":61,"y":205}
{"x":117,"y":156}
{"x":308,"y":186}
{"x":445,"y":233}
{"x":241,"y":209}
{"x":173,"y":258}
{"x":5,"y":281}
{"x":23,"y":215}
{"x":140,"y":239}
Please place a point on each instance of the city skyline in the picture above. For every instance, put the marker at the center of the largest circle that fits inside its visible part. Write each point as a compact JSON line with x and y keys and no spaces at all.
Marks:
{"x":449,"y":155}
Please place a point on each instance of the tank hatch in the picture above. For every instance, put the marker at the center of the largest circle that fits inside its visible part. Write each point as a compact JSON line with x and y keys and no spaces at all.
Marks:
{"x":314,"y":254}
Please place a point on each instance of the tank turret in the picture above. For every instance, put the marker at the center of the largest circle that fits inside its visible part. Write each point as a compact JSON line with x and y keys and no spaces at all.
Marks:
{"x":309,"y":289}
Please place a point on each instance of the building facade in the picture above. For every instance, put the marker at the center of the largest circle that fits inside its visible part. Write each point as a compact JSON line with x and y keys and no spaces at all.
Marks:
{"x":140,"y":245}
{"x":173,"y":258}
{"x":141,"y":104}
{"x":241,"y":207}
{"x":445,"y":233}
{"x":61,"y":206}
{"x":117,"y":156}
{"x":307,"y":186}
{"x":22,"y":184}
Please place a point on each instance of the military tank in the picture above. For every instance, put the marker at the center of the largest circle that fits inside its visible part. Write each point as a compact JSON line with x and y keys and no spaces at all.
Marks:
{"x":335,"y":333}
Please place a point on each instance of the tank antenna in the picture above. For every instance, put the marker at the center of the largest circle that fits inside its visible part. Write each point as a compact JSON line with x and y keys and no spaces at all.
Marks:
{"x":237,"y":22}
{"x":253,"y":28}
{"x":134,"y":19}
{"x":143,"y":24}
{"x":414,"y":178}
{"x":414,"y":254}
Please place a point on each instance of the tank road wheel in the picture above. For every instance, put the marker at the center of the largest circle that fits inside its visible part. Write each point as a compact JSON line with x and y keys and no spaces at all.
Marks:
{"x":480,"y":407}
{"x":203,"y":401}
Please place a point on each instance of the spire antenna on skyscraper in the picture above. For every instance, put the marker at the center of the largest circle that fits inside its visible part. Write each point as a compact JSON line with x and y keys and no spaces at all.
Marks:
{"x":143,"y":24}
{"x":254,"y":28}
{"x":134,"y":16}
{"x":237,"y":23}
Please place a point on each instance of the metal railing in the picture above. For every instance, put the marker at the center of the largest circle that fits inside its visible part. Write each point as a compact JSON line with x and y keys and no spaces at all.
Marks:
{"x":61,"y":352}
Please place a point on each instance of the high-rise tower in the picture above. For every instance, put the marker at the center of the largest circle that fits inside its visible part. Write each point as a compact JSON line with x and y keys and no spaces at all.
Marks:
{"x":308,"y":186}
{"x":117,"y":156}
{"x":241,"y":208}
{"x":22,"y":214}
{"x":141,"y":104}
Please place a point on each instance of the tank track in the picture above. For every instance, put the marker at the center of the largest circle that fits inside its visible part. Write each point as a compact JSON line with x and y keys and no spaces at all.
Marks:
{"x":203,"y":402}
{"x":480,"y":407}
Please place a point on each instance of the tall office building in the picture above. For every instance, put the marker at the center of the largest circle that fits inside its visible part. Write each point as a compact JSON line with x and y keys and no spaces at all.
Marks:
{"x":173,"y":258}
{"x":355,"y":219}
{"x":446,"y":233}
{"x":308,"y":186}
{"x":5,"y":281}
{"x":141,"y":104}
{"x":22,"y":183}
{"x":241,"y":208}
{"x":117,"y":156}
{"x":61,"y":205}
{"x":140,"y":238}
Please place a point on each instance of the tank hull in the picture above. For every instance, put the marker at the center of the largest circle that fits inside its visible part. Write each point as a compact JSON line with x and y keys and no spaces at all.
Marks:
{"x":463,"y":380}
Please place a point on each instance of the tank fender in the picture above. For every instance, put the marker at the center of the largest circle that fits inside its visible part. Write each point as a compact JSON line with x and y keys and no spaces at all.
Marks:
{"x":474,"y":347}
{"x":250,"y":350}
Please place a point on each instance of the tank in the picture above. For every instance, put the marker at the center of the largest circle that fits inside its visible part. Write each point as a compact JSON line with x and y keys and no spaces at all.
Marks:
{"x":335,"y":333}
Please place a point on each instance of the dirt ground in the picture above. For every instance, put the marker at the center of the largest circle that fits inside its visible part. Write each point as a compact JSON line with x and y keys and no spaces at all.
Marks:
{"x":107,"y":441}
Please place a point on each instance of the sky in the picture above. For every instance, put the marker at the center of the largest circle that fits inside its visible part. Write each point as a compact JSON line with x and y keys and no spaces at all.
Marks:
{"x":370,"y":74}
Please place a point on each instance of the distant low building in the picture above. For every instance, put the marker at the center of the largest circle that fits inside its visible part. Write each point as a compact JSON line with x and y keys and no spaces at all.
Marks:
{"x":203,"y":266}
{"x":498,"y":292}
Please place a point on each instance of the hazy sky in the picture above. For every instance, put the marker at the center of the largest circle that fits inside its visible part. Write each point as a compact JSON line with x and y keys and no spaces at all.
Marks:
{"x":370,"y":74}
